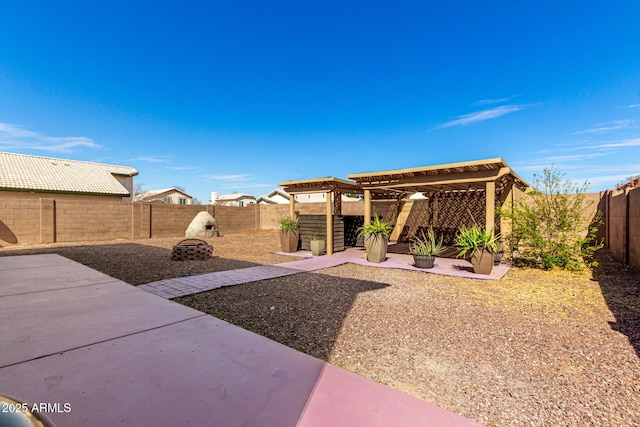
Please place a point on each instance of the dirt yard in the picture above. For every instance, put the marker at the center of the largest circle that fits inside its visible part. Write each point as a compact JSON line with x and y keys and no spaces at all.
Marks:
{"x":534,"y":349}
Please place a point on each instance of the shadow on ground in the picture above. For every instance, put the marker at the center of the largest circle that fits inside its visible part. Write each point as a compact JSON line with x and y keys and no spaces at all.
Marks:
{"x":305,"y":311}
{"x":134,"y":263}
{"x":620,"y":286}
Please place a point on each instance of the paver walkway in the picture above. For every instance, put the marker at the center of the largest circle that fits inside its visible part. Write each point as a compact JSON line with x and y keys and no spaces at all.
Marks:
{"x":188,"y":285}
{"x":99,"y":352}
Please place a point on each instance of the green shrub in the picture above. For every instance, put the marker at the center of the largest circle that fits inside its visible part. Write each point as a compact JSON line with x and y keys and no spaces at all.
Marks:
{"x":547,"y":226}
{"x":476,"y":238}
{"x":288,"y":224}
{"x":375,"y":228}
{"x":426,"y":245}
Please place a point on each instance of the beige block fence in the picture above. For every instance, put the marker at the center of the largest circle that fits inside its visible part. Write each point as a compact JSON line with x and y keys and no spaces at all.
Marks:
{"x":30,"y":220}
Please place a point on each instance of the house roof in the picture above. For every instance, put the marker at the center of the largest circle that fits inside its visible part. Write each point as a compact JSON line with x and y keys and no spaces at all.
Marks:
{"x":157,"y":194}
{"x":279,"y":191}
{"x":34,"y":173}
{"x":266,"y":200}
{"x":235,"y":196}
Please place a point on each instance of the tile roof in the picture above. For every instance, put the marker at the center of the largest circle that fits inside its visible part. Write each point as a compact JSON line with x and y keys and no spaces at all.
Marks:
{"x":151,"y":194}
{"x":235,"y":196}
{"x":25,"y":172}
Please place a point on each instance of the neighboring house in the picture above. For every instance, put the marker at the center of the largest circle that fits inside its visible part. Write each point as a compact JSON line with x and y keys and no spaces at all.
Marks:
{"x":235,"y":199}
{"x":279,"y":196}
{"x":170,"y":196}
{"x":46,"y":177}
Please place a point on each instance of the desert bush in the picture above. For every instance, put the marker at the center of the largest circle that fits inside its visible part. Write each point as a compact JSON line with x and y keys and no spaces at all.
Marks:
{"x":548,"y":225}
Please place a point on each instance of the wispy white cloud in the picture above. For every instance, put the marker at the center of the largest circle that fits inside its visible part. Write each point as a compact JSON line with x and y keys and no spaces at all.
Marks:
{"x":237,"y":186}
{"x":632,"y":106}
{"x":481,"y":116}
{"x":182,"y":168}
{"x":610,"y":126}
{"x":495,"y":101}
{"x":632,"y":142}
{"x":151,"y":159}
{"x":16,"y":138}
{"x":235,"y":178}
{"x":566,"y":162}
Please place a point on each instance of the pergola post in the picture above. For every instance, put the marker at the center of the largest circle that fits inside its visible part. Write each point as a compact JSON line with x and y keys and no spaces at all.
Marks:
{"x":292,"y":206}
{"x":329,"y":205}
{"x":367,"y":207}
{"x":490,"y":207}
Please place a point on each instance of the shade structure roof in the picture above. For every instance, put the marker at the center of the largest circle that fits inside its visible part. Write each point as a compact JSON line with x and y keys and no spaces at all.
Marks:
{"x":321,"y":185}
{"x":458,"y":177}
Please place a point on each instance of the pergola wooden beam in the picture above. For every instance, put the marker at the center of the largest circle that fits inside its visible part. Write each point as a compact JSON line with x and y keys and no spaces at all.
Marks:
{"x":464,"y":179}
{"x":480,"y":175}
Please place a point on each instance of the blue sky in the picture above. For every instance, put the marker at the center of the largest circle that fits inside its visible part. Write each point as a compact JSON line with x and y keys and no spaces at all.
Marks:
{"x":237,"y":96}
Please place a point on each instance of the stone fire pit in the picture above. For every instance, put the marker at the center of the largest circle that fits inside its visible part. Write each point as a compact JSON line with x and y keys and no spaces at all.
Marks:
{"x":191,"y":250}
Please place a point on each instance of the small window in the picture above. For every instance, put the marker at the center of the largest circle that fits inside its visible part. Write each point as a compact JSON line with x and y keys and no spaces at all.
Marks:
{"x":182,"y":200}
{"x":167,"y":200}
{"x":241,"y":203}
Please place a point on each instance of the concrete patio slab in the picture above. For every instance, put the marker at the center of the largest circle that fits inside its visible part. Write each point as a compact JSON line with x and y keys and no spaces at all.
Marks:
{"x":111,"y":354}
{"x":67,"y":318}
{"x":201,"y":372}
{"x":23,"y":276}
{"x":30,"y":261}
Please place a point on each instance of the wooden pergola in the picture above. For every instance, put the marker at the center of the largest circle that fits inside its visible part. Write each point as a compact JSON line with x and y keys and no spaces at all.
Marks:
{"x":491,"y":176}
{"x":481,"y":175}
{"x":332,"y":187}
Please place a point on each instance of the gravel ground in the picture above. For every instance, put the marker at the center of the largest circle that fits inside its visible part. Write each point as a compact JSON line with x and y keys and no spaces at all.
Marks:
{"x":143,"y":261}
{"x":534,"y":349}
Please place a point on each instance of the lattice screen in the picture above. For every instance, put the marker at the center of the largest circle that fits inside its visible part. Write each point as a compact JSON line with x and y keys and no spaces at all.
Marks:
{"x":446,"y":213}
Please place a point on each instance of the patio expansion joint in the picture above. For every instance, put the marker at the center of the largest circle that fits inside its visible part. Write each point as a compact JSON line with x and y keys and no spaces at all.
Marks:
{"x":105,"y":340}
{"x":61,"y":288}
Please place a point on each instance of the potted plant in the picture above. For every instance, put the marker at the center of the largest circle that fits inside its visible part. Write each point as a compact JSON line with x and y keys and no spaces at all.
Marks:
{"x":425,"y":248}
{"x":376,"y":238}
{"x":480,"y":244}
{"x":289,"y":234}
{"x":317,"y":245}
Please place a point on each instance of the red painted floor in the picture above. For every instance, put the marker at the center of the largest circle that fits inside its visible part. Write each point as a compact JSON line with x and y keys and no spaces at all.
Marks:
{"x":109,"y":354}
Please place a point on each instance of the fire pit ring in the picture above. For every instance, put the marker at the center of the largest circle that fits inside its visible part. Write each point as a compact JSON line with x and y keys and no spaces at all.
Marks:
{"x":191,"y":250}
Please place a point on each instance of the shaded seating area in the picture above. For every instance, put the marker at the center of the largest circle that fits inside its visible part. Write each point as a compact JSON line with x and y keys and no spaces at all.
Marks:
{"x":444,"y":197}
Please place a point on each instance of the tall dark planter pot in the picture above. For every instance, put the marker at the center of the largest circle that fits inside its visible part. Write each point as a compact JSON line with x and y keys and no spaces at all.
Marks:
{"x":289,"y":241}
{"x":482,"y":262}
{"x":376,"y":247}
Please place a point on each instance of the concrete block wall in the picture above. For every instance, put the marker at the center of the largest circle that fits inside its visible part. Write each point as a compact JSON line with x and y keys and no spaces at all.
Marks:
{"x":617,"y":226}
{"x":89,"y":221}
{"x":634,"y":228}
{"x":173,"y":220}
{"x":235,"y":219}
{"x":19,"y":221}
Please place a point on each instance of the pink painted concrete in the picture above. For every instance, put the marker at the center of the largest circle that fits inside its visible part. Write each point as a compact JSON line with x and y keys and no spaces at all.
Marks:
{"x":344,"y":399}
{"x":121,"y":356}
